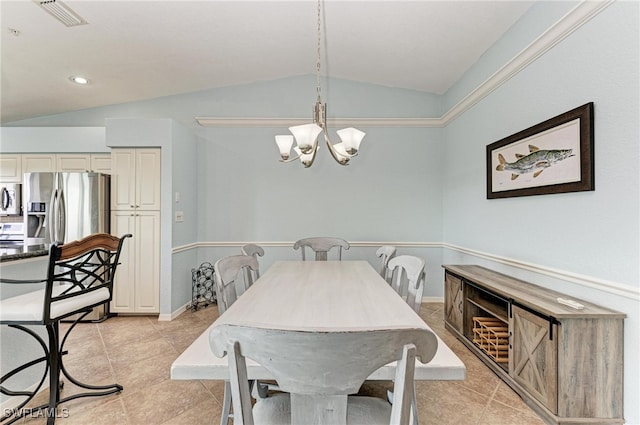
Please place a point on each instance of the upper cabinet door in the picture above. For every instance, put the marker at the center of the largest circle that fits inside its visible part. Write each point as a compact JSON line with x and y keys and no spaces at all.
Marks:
{"x":11,"y":168}
{"x":148,"y":179}
{"x":123,"y":179}
{"x":135,"y":179}
{"x":101,"y":163}
{"x":39,"y":163}
{"x":74,"y":162}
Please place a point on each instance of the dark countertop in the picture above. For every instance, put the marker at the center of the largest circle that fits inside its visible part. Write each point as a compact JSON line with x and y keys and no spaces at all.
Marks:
{"x":20,"y":252}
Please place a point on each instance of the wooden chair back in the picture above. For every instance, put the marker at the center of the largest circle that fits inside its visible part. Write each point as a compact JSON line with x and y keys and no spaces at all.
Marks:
{"x":229,"y":272}
{"x":408,"y":278}
{"x":319,"y":366}
{"x":254,"y":251}
{"x":321,"y":247}
{"x":80,"y":275}
{"x":385,"y":253}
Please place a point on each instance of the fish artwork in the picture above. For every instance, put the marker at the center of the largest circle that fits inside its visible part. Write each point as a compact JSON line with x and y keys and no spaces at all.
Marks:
{"x":535,"y":162}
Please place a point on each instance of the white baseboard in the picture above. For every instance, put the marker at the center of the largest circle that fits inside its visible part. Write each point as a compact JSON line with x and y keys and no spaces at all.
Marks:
{"x":432,"y":299}
{"x":176,"y":313}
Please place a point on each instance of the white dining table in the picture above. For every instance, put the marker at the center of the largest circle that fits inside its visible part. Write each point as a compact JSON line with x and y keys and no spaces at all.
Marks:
{"x":322,"y":296}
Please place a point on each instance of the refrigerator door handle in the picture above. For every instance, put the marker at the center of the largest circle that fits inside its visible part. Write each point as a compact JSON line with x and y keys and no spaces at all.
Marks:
{"x":53,"y":222}
{"x":62,"y":216}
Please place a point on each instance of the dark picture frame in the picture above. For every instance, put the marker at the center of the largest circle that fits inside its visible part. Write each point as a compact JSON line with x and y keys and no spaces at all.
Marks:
{"x":555,"y":156}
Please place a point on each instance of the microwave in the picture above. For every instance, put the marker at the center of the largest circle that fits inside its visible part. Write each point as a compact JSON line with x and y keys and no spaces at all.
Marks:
{"x":10,"y":199}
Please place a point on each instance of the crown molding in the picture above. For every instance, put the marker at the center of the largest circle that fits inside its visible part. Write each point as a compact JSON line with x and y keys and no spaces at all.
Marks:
{"x":331,"y":122}
{"x":564,"y":27}
{"x":569,"y":23}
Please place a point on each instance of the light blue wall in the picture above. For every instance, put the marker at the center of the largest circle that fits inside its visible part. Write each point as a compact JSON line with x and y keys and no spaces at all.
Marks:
{"x":52,"y":139}
{"x":184,"y":181}
{"x":390,"y":191}
{"x":583,"y":244}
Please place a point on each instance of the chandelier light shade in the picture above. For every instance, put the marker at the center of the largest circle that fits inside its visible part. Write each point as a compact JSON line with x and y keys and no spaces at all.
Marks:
{"x":351,"y":137}
{"x":284,"y":144}
{"x":306,"y":135}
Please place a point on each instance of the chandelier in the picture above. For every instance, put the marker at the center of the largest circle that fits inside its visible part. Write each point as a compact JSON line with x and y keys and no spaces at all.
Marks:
{"x":306,"y":135}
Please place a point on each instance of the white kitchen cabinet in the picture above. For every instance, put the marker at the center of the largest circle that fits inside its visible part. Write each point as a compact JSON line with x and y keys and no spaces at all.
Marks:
{"x":73,"y":162}
{"x":135,"y":182}
{"x":39,"y":162}
{"x":91,"y":162}
{"x":101,"y":163}
{"x":137,"y":284}
{"x":135,"y":209}
{"x":10,"y":168}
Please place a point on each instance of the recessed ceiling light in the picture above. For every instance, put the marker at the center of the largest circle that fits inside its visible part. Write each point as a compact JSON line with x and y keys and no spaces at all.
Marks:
{"x":79,"y":80}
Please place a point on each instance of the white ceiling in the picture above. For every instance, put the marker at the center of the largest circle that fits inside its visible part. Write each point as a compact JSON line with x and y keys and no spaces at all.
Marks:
{"x":132,"y":50}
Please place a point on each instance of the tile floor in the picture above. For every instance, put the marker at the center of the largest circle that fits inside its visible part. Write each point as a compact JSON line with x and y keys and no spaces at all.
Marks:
{"x":137,"y":352}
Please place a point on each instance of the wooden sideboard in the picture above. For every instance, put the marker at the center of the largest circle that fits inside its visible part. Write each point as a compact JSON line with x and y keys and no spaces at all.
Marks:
{"x":565,"y":362}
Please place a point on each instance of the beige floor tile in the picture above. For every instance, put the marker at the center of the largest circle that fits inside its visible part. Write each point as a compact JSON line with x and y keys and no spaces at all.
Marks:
{"x":182,"y":339}
{"x":140,"y":375}
{"x":126,"y":330}
{"x":139,"y":350}
{"x":111,"y":413}
{"x":91,"y":369}
{"x":207,"y":412}
{"x":507,"y":396}
{"x":164,"y":401}
{"x":479,"y":377}
{"x":216,"y":388}
{"x":497,"y":413}
{"x":444,"y":403}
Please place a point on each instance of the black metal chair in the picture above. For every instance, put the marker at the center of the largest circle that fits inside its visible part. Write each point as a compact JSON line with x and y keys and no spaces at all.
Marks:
{"x":79,"y":277}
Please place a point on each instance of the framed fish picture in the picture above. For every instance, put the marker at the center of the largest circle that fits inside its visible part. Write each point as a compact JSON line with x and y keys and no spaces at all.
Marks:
{"x":555,"y":156}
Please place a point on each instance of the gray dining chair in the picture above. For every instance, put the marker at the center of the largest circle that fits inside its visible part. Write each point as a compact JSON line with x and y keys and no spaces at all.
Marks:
{"x":385,"y":253}
{"x":320,"y":371}
{"x":254,"y":251}
{"x":321,"y":247}
{"x":232,"y":272}
{"x":408,"y":279}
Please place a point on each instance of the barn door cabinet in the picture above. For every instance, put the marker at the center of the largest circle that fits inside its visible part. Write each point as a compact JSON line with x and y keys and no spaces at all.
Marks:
{"x":566,"y":363}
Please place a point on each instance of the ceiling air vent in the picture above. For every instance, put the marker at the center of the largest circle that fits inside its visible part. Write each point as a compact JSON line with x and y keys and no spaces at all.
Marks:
{"x":61,"y":12}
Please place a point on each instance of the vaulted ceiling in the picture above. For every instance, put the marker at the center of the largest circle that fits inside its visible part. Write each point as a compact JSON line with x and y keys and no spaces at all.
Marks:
{"x":133,"y":50}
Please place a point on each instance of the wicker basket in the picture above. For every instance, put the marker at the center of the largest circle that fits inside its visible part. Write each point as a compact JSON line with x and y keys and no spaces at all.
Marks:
{"x":492,"y":336}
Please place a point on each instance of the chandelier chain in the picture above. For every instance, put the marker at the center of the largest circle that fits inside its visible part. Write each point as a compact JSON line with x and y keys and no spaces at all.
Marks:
{"x":318,"y":54}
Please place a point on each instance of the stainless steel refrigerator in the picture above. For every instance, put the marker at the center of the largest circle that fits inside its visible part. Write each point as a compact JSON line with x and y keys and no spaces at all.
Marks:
{"x":63,"y":207}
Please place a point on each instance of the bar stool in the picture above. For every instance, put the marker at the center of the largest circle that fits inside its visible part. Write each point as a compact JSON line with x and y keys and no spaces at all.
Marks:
{"x":79,"y":277}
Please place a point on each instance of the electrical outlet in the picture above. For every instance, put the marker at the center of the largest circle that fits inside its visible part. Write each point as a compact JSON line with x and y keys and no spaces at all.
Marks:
{"x":179,"y":216}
